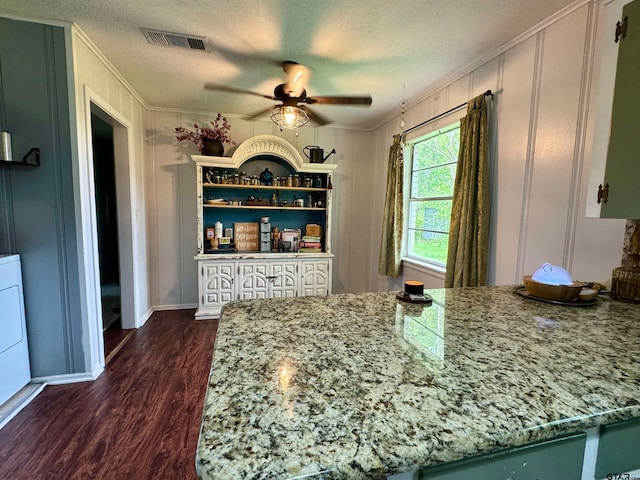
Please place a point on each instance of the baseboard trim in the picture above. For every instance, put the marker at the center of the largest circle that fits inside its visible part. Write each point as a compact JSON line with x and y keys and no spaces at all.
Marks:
{"x":68,"y":378}
{"x":161,"y":308}
{"x":15,"y":404}
{"x":144,"y":317}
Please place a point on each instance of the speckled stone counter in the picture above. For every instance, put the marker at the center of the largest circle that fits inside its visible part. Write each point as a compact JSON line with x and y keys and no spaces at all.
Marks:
{"x":360,"y":386}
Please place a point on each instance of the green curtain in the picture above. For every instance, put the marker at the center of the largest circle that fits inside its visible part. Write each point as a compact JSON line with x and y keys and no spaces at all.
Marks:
{"x":469,"y":231}
{"x":390,"y":262}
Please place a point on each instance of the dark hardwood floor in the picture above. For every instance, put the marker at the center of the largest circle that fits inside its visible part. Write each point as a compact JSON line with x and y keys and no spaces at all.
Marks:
{"x":114,"y":339}
{"x":139,"y":420}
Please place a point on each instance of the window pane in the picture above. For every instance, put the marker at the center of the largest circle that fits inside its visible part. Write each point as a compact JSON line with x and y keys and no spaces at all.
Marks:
{"x":433,"y":171}
{"x":434,"y":182}
{"x":428,"y":246}
{"x":430,"y":214}
{"x":437,"y":150}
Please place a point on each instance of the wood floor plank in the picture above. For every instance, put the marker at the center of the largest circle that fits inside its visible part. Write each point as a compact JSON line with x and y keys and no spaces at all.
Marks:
{"x":140,"y":419}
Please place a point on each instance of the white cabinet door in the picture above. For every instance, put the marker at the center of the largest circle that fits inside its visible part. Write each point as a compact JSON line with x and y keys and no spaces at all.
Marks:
{"x":316,"y":277}
{"x":217,"y":283}
{"x":284,"y":279}
{"x":267,"y":279}
{"x":253,"y":281}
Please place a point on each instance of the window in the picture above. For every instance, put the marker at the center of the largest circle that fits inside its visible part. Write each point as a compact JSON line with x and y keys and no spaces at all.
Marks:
{"x":434,"y":159}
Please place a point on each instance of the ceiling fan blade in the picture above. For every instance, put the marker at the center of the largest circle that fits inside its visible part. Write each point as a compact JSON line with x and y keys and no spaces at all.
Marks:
{"x":315,"y":117}
{"x":260,"y":113}
{"x":298,"y":77}
{"x":365,"y":100}
{"x":289,"y":67}
{"x":224,"y":88}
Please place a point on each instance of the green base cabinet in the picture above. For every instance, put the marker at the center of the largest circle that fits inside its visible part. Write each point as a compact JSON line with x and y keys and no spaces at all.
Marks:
{"x":553,"y":459}
{"x":618,"y":448}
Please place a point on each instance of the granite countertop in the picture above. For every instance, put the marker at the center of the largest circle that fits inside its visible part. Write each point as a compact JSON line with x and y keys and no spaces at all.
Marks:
{"x":361,"y":386}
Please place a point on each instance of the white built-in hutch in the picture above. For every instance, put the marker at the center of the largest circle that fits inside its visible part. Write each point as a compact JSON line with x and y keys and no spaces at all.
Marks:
{"x":230,"y":192}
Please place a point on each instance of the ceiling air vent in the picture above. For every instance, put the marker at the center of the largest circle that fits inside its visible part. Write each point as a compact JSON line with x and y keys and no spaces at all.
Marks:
{"x":178,"y":40}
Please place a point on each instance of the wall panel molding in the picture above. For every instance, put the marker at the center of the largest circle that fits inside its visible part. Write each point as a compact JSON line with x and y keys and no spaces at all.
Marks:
{"x":586,"y":84}
{"x":49,"y":46}
{"x":531,"y":143}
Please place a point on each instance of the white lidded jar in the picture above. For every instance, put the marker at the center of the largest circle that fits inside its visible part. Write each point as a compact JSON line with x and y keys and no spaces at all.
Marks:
{"x":217,"y":228}
{"x":552,"y":275}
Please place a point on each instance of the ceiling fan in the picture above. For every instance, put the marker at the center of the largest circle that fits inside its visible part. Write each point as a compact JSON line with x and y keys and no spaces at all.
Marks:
{"x":292,"y":112}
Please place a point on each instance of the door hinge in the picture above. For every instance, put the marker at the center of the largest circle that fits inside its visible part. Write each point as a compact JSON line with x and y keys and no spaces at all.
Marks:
{"x":603,"y":193}
{"x":621,"y":29}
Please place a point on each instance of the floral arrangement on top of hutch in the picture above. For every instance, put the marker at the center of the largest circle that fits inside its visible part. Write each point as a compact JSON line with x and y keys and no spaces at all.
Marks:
{"x":264,"y":223}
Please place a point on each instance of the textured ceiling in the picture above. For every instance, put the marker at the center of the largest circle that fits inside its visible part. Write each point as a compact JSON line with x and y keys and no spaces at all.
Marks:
{"x":379,"y":47}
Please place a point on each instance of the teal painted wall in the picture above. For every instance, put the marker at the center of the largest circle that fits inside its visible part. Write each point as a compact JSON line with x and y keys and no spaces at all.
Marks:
{"x":37,"y":218}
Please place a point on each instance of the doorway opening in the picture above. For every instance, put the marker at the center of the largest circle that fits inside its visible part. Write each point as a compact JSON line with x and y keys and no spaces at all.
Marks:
{"x":115,"y":258}
{"x":106,"y":221}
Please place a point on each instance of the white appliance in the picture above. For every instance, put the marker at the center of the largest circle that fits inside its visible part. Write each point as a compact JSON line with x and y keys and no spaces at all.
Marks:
{"x":15,"y":372}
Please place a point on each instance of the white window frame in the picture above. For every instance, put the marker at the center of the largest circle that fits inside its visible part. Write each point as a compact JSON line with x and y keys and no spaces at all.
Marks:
{"x":408,"y":157}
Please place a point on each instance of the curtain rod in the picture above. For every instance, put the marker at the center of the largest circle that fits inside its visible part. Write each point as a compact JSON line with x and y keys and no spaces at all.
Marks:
{"x":487,"y":93}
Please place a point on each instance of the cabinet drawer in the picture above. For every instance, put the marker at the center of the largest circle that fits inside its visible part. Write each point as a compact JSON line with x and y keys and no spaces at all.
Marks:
{"x":618,"y":449}
{"x":558,"y":458}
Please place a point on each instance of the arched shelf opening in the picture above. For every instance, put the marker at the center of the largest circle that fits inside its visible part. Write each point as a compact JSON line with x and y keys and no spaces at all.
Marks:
{"x":262,"y":145}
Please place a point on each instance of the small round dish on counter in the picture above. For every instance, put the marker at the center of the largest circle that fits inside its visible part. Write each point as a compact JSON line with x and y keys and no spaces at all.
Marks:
{"x":578,"y":301}
{"x":558,"y":293}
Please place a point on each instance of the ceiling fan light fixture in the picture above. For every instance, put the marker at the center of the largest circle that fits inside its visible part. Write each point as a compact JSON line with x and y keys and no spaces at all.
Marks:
{"x":289,"y":116}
